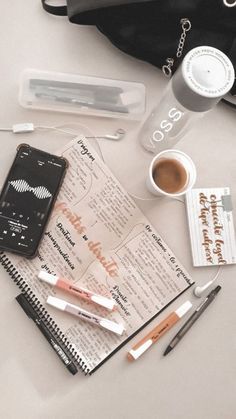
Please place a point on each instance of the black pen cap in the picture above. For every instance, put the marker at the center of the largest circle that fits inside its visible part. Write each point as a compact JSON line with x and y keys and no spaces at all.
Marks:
{"x":26,"y":306}
{"x":216,"y":290}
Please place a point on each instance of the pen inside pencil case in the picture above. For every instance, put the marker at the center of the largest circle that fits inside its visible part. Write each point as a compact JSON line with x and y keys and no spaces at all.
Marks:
{"x":80,"y":292}
{"x":86,"y":315}
{"x":85,"y":97}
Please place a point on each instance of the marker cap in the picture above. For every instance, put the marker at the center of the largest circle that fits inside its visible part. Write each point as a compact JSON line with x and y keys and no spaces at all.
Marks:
{"x":182,"y":310}
{"x":104,"y":302}
{"x":57,"y":302}
{"x":136,"y":353}
{"x":112,"y":326}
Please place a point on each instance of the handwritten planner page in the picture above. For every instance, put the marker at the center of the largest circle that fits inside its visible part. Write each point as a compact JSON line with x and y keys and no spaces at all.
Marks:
{"x":98,"y":238}
{"x":211,"y":226}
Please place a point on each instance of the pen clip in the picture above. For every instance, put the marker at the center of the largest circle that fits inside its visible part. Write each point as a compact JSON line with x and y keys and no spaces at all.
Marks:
{"x":26,"y":306}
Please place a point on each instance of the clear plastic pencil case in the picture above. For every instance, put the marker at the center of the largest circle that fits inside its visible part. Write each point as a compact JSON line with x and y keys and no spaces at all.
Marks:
{"x":74,"y":93}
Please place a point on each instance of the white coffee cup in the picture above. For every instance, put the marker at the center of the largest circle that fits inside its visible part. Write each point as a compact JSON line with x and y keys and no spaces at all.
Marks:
{"x":172,"y":173}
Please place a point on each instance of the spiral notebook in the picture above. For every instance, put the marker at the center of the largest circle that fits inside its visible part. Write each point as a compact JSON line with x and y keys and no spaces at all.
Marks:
{"x":99,"y":239}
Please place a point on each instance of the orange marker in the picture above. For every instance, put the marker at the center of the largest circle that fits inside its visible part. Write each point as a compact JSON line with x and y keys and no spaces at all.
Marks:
{"x":69,"y":287}
{"x":158,"y":332}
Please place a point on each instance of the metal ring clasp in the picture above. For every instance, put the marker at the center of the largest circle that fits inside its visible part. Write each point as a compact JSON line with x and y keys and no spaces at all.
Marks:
{"x":167,"y":67}
{"x":229,"y":3}
{"x":186,"y":24}
{"x":166,"y":70}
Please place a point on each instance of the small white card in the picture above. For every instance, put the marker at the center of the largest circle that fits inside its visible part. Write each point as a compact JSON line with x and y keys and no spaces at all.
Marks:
{"x":211,"y":226}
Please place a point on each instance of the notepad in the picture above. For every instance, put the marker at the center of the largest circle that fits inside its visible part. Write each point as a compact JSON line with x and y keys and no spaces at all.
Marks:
{"x":211,"y":226}
{"x":98,"y":238}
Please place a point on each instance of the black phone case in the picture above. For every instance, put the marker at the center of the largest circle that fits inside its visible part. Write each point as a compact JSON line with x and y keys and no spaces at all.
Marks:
{"x":21,"y":187}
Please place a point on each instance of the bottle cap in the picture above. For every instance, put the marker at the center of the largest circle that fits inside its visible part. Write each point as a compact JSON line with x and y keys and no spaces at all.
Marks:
{"x":204,"y":77}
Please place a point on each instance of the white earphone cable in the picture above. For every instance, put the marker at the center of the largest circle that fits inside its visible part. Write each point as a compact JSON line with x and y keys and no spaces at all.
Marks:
{"x":29,"y":127}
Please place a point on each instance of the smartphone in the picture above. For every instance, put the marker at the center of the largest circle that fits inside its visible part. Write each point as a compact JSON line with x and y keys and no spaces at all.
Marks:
{"x":27,"y":199}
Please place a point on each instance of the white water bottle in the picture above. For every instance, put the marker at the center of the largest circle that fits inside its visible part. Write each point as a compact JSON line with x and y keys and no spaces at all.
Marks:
{"x":204,"y":77}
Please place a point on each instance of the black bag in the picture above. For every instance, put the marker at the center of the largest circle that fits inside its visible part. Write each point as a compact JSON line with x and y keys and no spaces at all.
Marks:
{"x":154,"y":30}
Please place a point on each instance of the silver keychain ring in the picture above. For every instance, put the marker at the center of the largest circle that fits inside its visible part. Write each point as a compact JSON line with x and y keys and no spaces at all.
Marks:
{"x":186,"y":24}
{"x":166,"y":70}
{"x":229,"y":4}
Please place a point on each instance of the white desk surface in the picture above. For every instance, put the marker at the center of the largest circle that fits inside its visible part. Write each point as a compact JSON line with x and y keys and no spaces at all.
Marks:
{"x":195,"y":381}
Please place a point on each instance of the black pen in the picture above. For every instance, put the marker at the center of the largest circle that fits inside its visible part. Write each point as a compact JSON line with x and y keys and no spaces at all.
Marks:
{"x":188,"y":324}
{"x":84,"y":102}
{"x":32,"y":314}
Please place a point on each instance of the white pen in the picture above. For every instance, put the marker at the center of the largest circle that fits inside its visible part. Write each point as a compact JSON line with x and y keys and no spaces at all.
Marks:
{"x":69,"y":287}
{"x":86,"y":315}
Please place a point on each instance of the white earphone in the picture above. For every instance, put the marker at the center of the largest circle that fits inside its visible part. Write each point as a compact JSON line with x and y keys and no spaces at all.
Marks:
{"x":119,"y":134}
{"x":29,"y":127}
{"x":198,"y":291}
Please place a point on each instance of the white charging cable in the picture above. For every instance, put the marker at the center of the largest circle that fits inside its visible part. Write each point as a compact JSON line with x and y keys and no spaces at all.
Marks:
{"x":198,"y":291}
{"x":20,"y":128}
{"x":29,"y":127}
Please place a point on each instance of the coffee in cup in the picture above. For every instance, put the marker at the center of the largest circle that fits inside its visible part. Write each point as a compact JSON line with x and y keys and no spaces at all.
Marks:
{"x":171,"y":173}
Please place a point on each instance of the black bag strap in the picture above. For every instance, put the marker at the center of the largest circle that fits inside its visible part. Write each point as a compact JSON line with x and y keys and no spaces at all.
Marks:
{"x":54,"y":10}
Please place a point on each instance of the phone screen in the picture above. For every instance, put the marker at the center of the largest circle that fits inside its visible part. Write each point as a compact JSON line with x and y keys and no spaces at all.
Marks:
{"x":27,"y":198}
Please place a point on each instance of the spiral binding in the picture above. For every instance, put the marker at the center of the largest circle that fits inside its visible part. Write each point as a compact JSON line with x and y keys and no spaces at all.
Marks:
{"x":42,"y":312}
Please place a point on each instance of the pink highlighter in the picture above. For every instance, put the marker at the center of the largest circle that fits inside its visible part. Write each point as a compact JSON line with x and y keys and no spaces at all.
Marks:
{"x":67,"y":286}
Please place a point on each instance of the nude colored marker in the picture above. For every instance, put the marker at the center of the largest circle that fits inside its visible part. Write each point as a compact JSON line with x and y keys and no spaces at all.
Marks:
{"x":86,"y":315}
{"x":69,"y":287}
{"x":158,"y":331}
